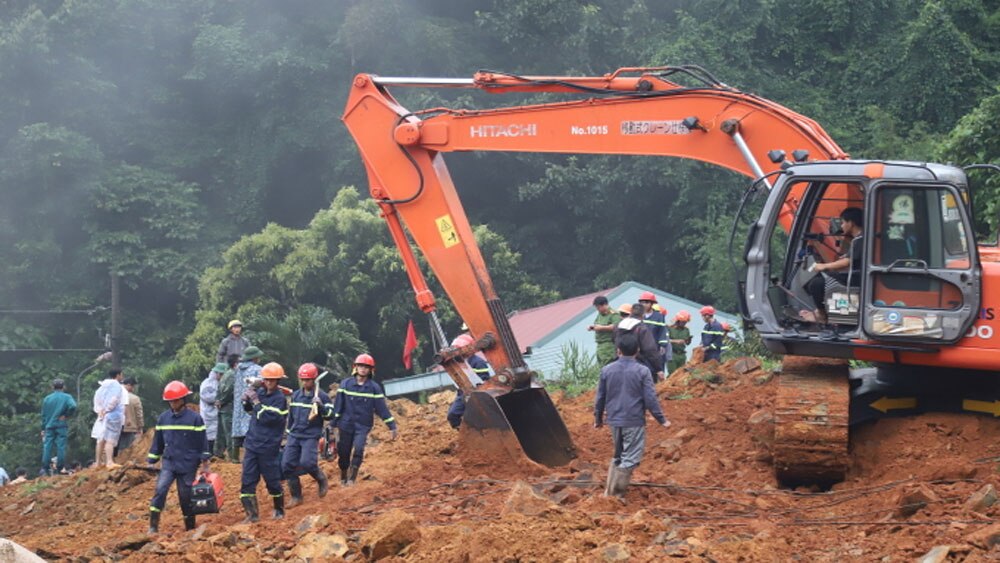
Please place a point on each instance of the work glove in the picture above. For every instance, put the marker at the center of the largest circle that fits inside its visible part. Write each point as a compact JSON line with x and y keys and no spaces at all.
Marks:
{"x":395,"y":433}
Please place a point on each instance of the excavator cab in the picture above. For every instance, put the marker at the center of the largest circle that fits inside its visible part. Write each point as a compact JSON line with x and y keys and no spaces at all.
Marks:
{"x":914,"y":278}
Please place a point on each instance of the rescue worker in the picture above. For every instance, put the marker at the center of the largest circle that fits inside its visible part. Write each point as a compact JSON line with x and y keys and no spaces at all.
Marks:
{"x":309,"y":408}
{"x":649,"y":352}
{"x":233,"y":343}
{"x":479,"y":367}
{"x":57,"y":407}
{"x":655,"y":316}
{"x":262,"y":445}
{"x":358,"y":400}
{"x":180,"y":441}
{"x":712,"y":335}
{"x":248,"y":368}
{"x":604,"y":330}
{"x":680,"y":336}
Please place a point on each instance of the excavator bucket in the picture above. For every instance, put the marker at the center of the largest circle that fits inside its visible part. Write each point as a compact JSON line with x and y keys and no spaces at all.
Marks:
{"x":511,"y":424}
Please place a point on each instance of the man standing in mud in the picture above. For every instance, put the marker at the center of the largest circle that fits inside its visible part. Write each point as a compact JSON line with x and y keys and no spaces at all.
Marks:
{"x":625,"y":390}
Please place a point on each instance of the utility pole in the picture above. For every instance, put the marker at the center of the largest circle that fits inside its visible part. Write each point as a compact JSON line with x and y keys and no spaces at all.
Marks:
{"x":115,"y":322}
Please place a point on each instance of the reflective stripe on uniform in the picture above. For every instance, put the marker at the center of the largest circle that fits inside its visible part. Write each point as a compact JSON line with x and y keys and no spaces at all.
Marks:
{"x":390,"y":419}
{"x":153,"y":456}
{"x":247,"y":495}
{"x":356,"y":394}
{"x":654,"y":323}
{"x":177,"y":427}
{"x":270,"y":408}
{"x":303,"y":405}
{"x":154,"y":509}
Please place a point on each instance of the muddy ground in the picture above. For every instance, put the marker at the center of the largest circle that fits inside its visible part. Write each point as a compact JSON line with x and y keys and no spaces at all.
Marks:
{"x":705,"y":492}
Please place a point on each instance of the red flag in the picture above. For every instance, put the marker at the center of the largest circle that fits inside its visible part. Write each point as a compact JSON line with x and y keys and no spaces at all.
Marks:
{"x":409,"y":345}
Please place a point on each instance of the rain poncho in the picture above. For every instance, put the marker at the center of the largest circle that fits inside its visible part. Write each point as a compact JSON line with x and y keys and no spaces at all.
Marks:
{"x":208,"y":394}
{"x":241,"y":420}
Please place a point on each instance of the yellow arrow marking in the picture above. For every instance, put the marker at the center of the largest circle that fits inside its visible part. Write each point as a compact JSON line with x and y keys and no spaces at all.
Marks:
{"x":885,"y":404}
{"x":988,"y":407}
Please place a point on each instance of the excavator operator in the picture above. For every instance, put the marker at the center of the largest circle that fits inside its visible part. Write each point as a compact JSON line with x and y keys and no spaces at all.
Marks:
{"x":845,"y":270}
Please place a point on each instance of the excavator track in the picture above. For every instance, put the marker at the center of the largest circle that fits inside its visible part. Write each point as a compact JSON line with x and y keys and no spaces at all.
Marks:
{"x":810,"y":421}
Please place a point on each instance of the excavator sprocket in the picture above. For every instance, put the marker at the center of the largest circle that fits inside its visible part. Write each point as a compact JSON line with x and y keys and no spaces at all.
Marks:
{"x":810,"y":421}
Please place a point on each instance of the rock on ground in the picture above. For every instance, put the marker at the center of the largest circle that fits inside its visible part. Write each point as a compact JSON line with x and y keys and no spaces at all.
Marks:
{"x":389,"y":535}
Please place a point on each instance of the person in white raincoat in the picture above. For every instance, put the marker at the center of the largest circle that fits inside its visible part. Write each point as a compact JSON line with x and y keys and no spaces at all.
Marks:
{"x":208,"y":395}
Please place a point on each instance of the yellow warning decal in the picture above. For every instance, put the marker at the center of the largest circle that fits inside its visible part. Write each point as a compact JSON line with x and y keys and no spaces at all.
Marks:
{"x":446,"y":227}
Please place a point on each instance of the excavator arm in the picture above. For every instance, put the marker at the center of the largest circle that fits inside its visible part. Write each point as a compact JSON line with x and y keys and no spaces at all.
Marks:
{"x":631,"y":111}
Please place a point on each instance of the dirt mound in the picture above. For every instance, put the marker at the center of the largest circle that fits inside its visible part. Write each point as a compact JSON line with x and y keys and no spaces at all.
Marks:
{"x":704,"y":491}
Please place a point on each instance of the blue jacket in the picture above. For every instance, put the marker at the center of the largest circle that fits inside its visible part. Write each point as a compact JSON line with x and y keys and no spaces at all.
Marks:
{"x":299,"y":424}
{"x":180,"y":440}
{"x":56,"y":404}
{"x":479,"y":366}
{"x":357,"y":405}
{"x":267,"y":422}
{"x":658,"y":326}
{"x":626,"y":392}
{"x":711,"y":338}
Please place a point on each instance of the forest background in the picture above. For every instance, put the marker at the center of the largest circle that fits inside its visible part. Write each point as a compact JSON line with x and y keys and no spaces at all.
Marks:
{"x":194,"y":149}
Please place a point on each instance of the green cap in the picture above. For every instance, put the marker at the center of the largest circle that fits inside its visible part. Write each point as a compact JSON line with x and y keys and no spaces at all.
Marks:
{"x":251,"y":353}
{"x":221,"y":367}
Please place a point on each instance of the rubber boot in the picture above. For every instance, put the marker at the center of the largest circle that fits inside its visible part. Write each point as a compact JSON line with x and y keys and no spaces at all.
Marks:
{"x":294,"y":491}
{"x":189,"y":523}
{"x":352,"y":476}
{"x":622,"y":481}
{"x":250,"y":506}
{"x":322,"y":482}
{"x":279,"y":507}
{"x":343,"y":476}
{"x":154,"y":522}
{"x":610,"y":479}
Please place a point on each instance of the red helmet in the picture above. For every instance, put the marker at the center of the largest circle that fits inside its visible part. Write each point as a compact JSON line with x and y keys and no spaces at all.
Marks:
{"x":708,"y":310}
{"x":308,"y":371}
{"x":682,"y":316}
{"x":462,"y":340}
{"x":647,"y":296}
{"x":364,"y":360}
{"x":727,"y":327}
{"x":175,"y":390}
{"x":272,"y":370}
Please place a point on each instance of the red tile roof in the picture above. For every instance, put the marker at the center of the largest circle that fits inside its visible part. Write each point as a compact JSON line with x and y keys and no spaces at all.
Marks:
{"x":531,"y":325}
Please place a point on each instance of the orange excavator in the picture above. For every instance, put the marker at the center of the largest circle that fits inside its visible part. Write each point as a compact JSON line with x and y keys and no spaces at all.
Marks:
{"x":916,"y":303}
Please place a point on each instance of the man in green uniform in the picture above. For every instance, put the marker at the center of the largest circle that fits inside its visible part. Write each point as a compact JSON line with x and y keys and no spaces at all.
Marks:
{"x":604,"y":330}
{"x":57,"y":407}
{"x":680,"y":337}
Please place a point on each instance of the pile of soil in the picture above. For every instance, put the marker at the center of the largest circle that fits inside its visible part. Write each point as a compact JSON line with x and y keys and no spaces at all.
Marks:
{"x":704,"y":492}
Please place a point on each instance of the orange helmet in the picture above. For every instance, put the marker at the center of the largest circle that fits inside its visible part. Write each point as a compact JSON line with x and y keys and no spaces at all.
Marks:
{"x":682,"y":316}
{"x":272,"y":370}
{"x":365,"y":360}
{"x":647,"y":296}
{"x":462,"y":340}
{"x":708,"y":310}
{"x":308,"y":371}
{"x":175,"y":390}
{"x":625,"y":309}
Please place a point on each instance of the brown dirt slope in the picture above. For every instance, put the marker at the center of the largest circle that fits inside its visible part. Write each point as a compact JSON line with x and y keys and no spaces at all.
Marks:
{"x":705,"y":492}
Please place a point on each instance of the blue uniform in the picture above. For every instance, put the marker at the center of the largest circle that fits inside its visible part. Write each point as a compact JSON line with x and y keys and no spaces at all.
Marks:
{"x":263,"y":443}
{"x":302,"y":445}
{"x":354,"y":411}
{"x":457,"y":408}
{"x":711,"y":340}
{"x":658,"y":326}
{"x":181,"y":443}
